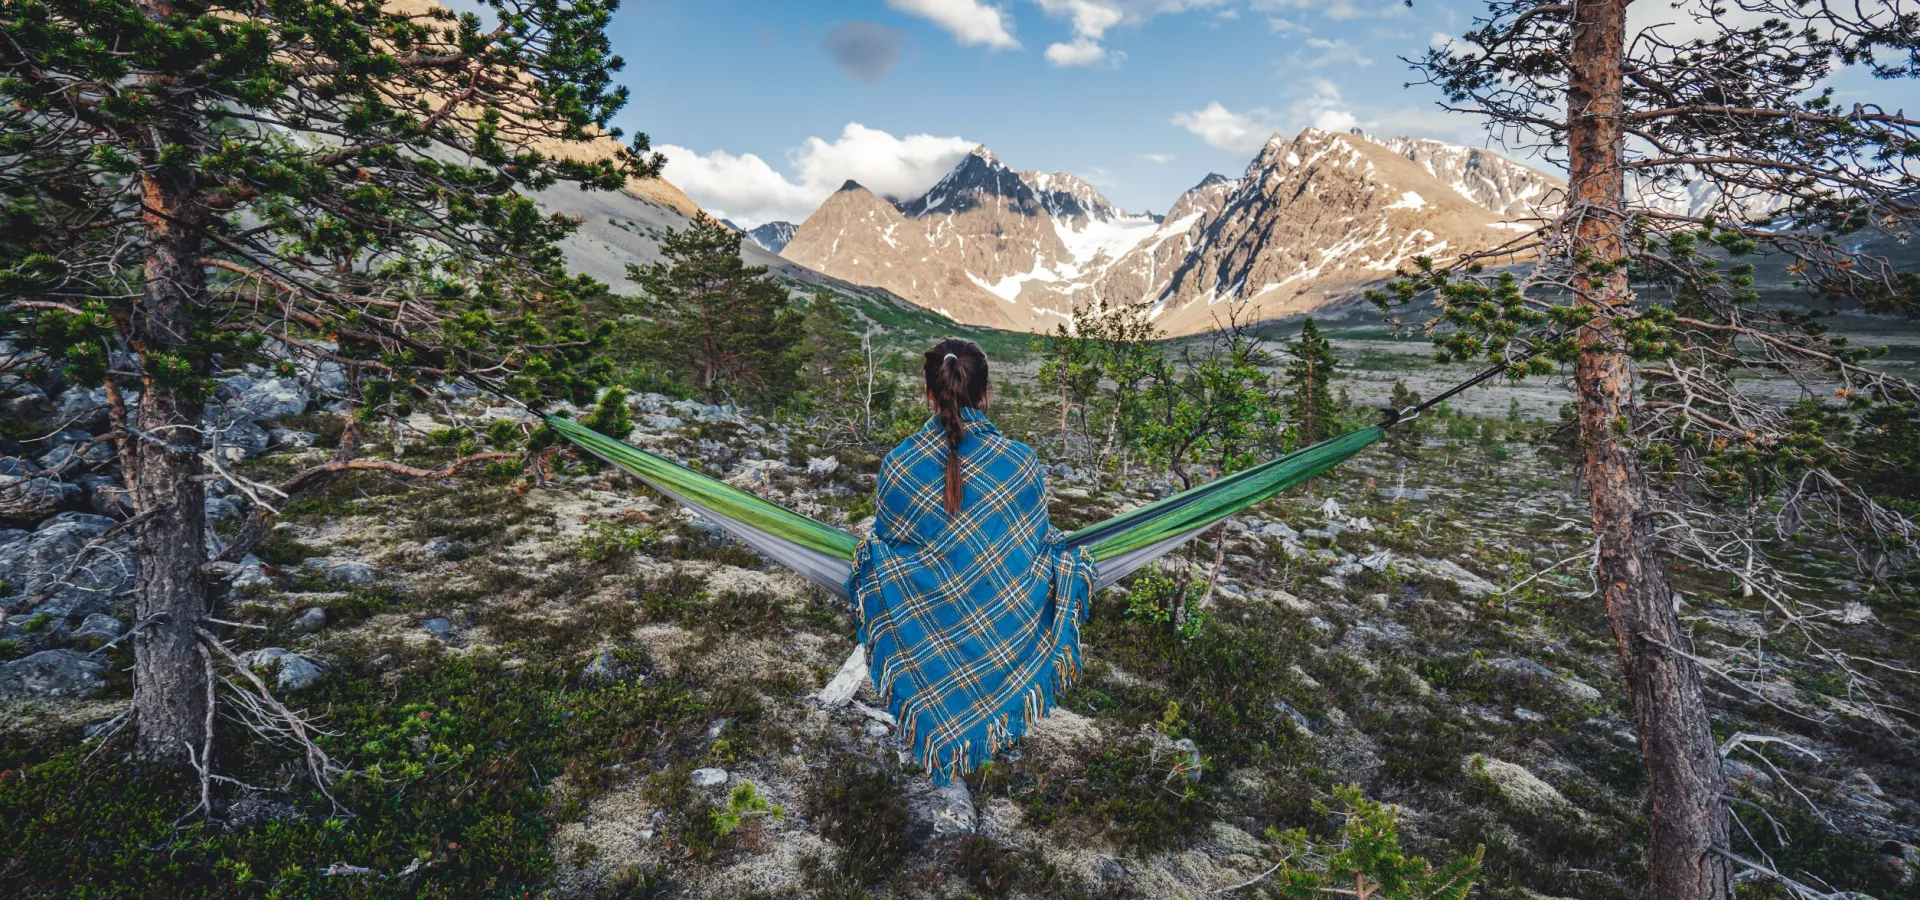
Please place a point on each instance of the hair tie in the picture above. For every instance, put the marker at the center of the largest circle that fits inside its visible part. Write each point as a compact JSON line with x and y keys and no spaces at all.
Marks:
{"x":951,"y":356}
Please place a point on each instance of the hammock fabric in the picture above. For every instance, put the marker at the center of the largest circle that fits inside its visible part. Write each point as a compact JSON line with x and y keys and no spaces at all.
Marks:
{"x":824,"y":554}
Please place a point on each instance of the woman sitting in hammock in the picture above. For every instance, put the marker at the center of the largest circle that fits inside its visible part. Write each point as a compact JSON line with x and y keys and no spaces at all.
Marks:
{"x":969,"y":605}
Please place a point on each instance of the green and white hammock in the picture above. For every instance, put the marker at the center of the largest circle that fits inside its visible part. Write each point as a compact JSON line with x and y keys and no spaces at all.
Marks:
{"x":824,"y":554}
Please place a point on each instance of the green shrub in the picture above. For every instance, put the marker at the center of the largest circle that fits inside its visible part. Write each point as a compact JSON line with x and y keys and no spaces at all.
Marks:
{"x":1368,"y":860}
{"x":611,"y":541}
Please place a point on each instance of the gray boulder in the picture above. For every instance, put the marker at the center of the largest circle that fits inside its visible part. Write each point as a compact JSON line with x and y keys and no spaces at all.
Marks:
{"x":310,"y":621}
{"x":239,"y":439}
{"x":52,"y":675}
{"x":340,"y":571}
{"x":289,"y":439}
{"x":83,"y":408}
{"x":30,"y":499}
{"x":438,"y":626}
{"x":50,"y":561}
{"x":251,"y":575}
{"x":1297,"y":718}
{"x":97,"y":629}
{"x":270,"y":399}
{"x":291,"y":671}
{"x":27,"y":402}
{"x":941,"y":809}
{"x":105,"y":496}
{"x":220,"y":509}
{"x":1532,"y":672}
{"x":709,"y":777}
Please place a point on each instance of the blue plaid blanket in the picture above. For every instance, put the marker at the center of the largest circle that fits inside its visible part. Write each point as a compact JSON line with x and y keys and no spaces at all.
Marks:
{"x":971,"y":624}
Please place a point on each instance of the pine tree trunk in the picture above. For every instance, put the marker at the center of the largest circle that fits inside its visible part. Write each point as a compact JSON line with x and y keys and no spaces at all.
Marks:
{"x":1676,"y":740}
{"x":170,"y":677}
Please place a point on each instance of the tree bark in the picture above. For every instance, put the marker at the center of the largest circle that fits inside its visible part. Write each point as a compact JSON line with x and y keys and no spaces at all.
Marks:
{"x":1689,"y":816}
{"x":170,"y":675}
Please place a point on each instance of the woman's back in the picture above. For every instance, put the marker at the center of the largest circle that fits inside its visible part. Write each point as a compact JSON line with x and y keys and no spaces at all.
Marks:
{"x":969,"y":606}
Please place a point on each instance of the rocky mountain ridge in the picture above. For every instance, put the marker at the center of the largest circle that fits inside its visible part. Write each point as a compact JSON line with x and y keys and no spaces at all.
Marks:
{"x":1310,"y":219}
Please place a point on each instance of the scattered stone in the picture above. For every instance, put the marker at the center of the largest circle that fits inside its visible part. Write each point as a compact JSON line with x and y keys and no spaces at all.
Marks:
{"x":251,"y":575}
{"x":1519,"y":787}
{"x":385,"y":661}
{"x":310,"y":621}
{"x":1298,"y":718}
{"x":104,"y":496}
{"x":1526,"y":715}
{"x":292,"y":672}
{"x":941,"y":809}
{"x":437,"y":547}
{"x":1447,"y":570}
{"x":219,"y":509}
{"x":97,"y":629}
{"x":439,"y":626}
{"x":875,"y":729}
{"x":846,"y":682}
{"x":251,"y":811}
{"x":30,"y":499}
{"x":1745,"y":773}
{"x":1854,"y":613}
{"x":340,"y":571}
{"x":1402,"y":492}
{"x":26,"y":402}
{"x":274,"y":398}
{"x":604,"y":668}
{"x":877,"y":715}
{"x":822,"y":465}
{"x":1377,"y":562}
{"x":52,"y":675}
{"x":709,"y":777}
{"x":238,"y":440}
{"x":1535,"y":673}
{"x":289,"y":439}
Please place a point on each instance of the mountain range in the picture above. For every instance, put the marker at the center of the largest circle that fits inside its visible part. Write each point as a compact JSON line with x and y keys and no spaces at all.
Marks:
{"x":1310,"y":220}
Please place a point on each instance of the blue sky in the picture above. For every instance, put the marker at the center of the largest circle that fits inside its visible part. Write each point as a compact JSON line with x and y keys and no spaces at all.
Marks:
{"x":765,"y":106}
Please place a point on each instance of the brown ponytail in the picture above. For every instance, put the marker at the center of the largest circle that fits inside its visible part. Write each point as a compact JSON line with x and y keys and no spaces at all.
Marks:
{"x":956,"y":373}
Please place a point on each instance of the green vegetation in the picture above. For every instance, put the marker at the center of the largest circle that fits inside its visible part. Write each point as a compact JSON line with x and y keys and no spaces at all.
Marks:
{"x":726,"y":329}
{"x":1312,"y":414}
{"x":452,"y":762}
{"x":1368,"y":860}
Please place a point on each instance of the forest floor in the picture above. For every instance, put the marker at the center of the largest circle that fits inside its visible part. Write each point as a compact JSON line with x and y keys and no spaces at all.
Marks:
{"x":576,"y":690}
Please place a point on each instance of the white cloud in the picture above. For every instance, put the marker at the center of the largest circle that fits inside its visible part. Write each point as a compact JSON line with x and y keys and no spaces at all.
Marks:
{"x":1330,"y":52}
{"x":1285,"y":26}
{"x":1091,"y":18}
{"x":969,"y":21}
{"x":1319,"y":105}
{"x":1158,"y":159}
{"x":747,"y":190}
{"x":1322,"y":107}
{"x":1341,"y":10}
{"x":1225,"y":129}
{"x":1082,"y":52}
